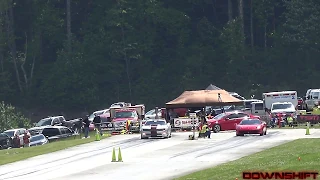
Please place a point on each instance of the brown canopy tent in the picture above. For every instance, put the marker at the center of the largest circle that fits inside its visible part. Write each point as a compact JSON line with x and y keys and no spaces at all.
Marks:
{"x":202,"y":98}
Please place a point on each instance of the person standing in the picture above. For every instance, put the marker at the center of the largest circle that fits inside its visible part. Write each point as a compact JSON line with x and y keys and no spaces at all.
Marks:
{"x":207,"y":132}
{"x":202,"y":131}
{"x":86,"y":124}
{"x":16,"y":141}
{"x":290,"y":121}
{"x":97,"y":123}
{"x":203,"y":116}
{"x":26,"y":140}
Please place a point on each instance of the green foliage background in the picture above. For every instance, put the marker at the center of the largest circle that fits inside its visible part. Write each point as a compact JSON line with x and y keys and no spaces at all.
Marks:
{"x":10,"y":118}
{"x":151,"y":51}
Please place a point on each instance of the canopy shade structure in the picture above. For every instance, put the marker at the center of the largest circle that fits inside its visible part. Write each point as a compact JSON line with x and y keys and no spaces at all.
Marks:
{"x":213,"y":87}
{"x":202,"y":98}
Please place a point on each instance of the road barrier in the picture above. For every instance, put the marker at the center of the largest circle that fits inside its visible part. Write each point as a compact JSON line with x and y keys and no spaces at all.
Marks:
{"x":119,"y":156}
{"x":113,"y":158}
{"x":308,"y":129}
{"x":98,"y":138}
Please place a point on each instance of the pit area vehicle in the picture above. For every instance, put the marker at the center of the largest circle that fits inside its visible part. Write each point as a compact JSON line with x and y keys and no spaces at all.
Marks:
{"x":20,"y":132}
{"x":120,"y":115}
{"x":286,"y":108}
{"x":257,"y":109}
{"x":74,"y":124}
{"x":120,"y":105}
{"x":38,"y":140}
{"x":236,"y":95}
{"x":312,"y":98}
{"x":5,"y":141}
{"x":54,"y":133}
{"x":152,"y":114}
{"x":278,"y":97}
{"x":251,"y":126}
{"x":105,"y":113}
{"x":215,"y":110}
{"x":275,"y":104}
{"x":300,"y":103}
{"x":228,"y":120}
{"x":156,"y":128}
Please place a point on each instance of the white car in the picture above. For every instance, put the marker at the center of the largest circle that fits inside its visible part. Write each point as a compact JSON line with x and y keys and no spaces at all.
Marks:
{"x":152,"y":114}
{"x":156,"y":128}
{"x":20,"y":132}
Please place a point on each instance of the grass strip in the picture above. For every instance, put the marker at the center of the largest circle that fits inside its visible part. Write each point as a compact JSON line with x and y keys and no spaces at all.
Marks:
{"x":18,"y":154}
{"x":283,"y":157}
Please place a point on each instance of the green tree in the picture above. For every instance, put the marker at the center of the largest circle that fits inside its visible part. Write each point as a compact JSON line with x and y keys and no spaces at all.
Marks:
{"x":10,"y":118}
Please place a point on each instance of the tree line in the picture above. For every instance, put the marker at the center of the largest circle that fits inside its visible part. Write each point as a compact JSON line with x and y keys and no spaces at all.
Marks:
{"x":86,"y":54}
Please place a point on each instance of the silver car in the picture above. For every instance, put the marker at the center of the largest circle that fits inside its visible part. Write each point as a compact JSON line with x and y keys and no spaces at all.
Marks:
{"x":156,"y":128}
{"x":38,"y":140}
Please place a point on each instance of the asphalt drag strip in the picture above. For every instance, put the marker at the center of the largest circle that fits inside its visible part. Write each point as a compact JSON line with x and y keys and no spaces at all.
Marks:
{"x":173,"y":157}
{"x":49,"y":162}
{"x":154,"y":159}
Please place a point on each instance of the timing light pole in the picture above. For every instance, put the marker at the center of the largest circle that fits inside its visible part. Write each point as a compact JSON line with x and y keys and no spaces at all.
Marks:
{"x":220,"y":101}
{"x":156,"y":111}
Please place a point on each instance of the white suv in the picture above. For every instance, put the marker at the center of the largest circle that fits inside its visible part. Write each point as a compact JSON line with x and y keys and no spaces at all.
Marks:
{"x":312,"y":99}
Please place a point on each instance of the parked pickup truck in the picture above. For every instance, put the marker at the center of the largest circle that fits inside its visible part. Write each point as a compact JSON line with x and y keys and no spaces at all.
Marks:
{"x":53,"y":133}
{"x":74,"y":124}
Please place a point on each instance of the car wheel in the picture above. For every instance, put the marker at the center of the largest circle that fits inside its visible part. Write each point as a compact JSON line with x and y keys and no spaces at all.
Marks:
{"x":143,"y":137}
{"x":216,"y":128}
{"x":76,"y":130}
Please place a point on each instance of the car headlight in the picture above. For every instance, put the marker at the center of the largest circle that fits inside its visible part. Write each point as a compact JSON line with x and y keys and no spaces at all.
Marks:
{"x":258,"y":127}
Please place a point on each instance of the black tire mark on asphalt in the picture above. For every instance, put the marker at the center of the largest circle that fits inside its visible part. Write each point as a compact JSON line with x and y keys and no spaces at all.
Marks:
{"x":227,"y":147}
{"x":223,"y":142}
{"x":204,"y":148}
{"x":132,"y":140}
{"x":251,"y":140}
{"x":78,"y":154}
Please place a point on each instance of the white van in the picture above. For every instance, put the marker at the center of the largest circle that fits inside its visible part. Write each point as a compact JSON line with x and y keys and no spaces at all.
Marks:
{"x":312,"y":98}
{"x":282,"y":96}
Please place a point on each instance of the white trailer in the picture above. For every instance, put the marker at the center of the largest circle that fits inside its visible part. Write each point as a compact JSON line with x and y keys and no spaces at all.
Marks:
{"x":281,"y":96}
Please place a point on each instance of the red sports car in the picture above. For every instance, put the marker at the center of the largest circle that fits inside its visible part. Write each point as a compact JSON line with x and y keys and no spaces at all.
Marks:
{"x":228,"y":120}
{"x":251,"y":126}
